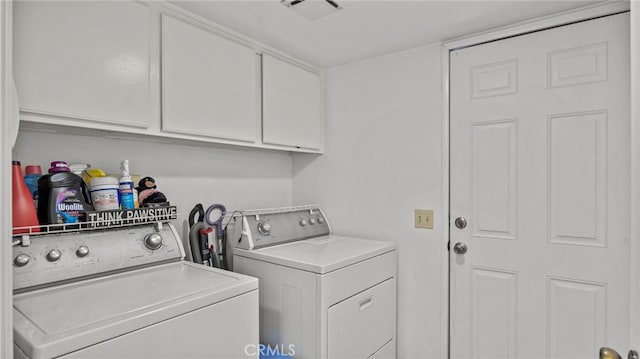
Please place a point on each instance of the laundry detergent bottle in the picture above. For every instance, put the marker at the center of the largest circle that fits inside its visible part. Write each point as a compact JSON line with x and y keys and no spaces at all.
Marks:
{"x":33,"y":174}
{"x":63,"y":198}
{"x":23,"y":211}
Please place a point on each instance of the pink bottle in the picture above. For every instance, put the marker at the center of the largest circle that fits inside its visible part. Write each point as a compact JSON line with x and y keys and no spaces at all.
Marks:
{"x":24,"y":212}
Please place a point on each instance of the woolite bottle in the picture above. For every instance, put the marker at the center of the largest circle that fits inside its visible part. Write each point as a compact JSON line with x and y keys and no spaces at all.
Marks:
{"x":64,"y":198}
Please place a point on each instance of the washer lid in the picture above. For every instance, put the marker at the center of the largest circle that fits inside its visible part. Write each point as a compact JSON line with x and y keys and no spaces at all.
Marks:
{"x":58,"y":320}
{"x":321,"y":254}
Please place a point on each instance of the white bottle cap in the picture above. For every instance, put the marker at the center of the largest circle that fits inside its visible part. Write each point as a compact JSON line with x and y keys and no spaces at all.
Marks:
{"x":77,"y":168}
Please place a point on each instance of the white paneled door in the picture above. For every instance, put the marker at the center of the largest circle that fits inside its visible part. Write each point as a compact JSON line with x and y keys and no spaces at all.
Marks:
{"x":540,"y":174}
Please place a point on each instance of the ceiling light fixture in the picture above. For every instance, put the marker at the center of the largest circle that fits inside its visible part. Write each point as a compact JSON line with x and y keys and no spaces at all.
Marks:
{"x":313,"y":9}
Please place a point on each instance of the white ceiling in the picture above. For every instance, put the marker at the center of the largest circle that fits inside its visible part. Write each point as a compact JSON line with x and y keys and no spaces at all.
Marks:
{"x":366,"y":29}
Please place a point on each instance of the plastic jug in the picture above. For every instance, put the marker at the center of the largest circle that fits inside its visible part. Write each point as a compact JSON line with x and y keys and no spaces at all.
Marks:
{"x":33,"y":174}
{"x":63,"y":198}
{"x":24,"y":213}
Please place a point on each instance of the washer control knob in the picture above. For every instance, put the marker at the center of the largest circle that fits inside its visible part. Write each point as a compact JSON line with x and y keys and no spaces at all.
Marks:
{"x":312,"y":221}
{"x":303,"y":222}
{"x":21,"y":260}
{"x":82,"y":251}
{"x":54,"y":255}
{"x":153,"y":241}
{"x":320,"y":220}
{"x":264,"y":228}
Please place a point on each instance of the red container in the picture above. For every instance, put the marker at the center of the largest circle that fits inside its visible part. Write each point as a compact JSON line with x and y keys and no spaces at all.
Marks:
{"x":24,"y":212}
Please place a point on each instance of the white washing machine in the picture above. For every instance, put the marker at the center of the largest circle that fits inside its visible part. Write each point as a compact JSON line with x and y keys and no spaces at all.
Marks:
{"x":321,"y":296}
{"x":127,"y":293}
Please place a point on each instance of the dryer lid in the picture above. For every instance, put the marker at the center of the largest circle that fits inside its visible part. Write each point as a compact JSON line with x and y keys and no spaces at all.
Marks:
{"x":321,"y":254}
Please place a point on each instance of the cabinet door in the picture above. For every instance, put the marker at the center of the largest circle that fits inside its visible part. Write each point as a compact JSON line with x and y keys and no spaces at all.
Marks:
{"x":209,"y":83}
{"x":84,"y":60}
{"x":291,"y":107}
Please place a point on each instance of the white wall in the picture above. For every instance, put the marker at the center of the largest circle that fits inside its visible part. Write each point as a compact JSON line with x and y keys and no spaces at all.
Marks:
{"x":383,"y":160}
{"x":239,"y":179}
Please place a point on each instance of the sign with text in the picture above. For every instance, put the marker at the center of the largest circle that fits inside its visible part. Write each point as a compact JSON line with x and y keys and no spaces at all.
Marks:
{"x":121,"y":217}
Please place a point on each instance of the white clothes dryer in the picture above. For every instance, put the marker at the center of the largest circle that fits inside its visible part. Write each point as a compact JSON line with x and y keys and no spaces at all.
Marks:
{"x":321,"y":296}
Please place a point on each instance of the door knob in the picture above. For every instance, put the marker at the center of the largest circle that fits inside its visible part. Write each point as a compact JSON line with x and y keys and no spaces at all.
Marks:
{"x":460,"y":248}
{"x":608,"y":353}
{"x":461,"y":222}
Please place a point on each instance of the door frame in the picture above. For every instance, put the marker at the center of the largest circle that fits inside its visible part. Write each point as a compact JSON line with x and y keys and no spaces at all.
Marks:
{"x":6,"y":145}
{"x":521,"y":28}
{"x":635,"y":175}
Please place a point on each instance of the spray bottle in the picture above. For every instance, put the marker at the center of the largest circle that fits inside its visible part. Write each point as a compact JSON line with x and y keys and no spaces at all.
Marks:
{"x":128,"y":193}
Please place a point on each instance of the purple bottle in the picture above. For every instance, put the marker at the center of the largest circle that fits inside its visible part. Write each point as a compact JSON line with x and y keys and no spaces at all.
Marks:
{"x":63,"y":196}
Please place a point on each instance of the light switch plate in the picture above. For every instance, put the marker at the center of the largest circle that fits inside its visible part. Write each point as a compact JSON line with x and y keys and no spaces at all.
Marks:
{"x":424,"y":218}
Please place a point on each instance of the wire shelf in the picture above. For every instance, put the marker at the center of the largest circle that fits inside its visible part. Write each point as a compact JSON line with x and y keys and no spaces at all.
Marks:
{"x":101,"y":220}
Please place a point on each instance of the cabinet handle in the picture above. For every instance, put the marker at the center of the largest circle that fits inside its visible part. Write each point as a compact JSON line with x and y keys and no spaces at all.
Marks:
{"x":366,"y":303}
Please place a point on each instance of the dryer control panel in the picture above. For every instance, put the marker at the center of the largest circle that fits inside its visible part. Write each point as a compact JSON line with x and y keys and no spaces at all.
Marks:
{"x":267,"y":227}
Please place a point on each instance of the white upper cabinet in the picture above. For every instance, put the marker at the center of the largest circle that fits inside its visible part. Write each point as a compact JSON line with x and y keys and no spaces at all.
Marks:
{"x":291,"y":105}
{"x":149,"y":68}
{"x":209,"y":83}
{"x":84,"y":60}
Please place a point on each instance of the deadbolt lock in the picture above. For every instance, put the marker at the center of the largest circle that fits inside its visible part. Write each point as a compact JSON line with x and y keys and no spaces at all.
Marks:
{"x":461,"y":222}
